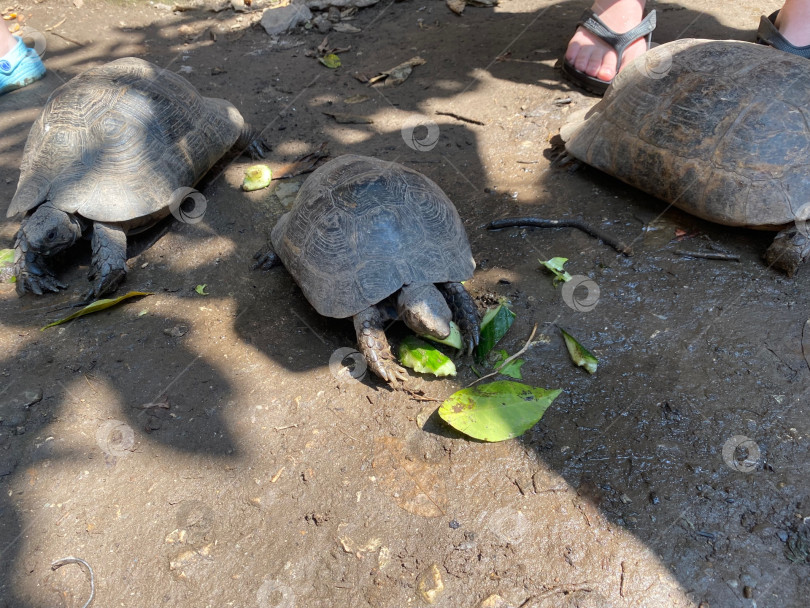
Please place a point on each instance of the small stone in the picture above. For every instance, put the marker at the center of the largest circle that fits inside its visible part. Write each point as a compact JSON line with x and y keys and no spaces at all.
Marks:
{"x":14,"y":411}
{"x":177,"y":331}
{"x":430,"y":584}
{"x":748,"y":592}
{"x":278,"y":20}
{"x":322,"y":24}
{"x":493,"y":601}
{"x":783,"y":536}
{"x":454,"y":525}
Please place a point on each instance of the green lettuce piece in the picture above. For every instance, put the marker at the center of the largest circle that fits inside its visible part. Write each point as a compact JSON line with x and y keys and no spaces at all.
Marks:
{"x":579,"y":354}
{"x":454,"y":339}
{"x":497,"y":411}
{"x":555,"y":265}
{"x":331,"y":61}
{"x":494,"y":326}
{"x":425,"y":358}
{"x":256,"y":178}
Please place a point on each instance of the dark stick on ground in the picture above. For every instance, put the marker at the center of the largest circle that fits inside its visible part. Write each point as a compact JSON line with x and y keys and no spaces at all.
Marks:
{"x":536,"y":222}
{"x":708,"y":255}
{"x":472,"y":121}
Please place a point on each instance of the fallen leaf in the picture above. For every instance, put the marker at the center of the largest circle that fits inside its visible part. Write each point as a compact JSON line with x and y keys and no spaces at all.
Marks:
{"x":425,"y":358}
{"x":495,"y":324}
{"x":511,"y":369}
{"x":397,"y":75}
{"x":497,"y":411}
{"x":97,"y":306}
{"x":331,"y":61}
{"x":200,"y":289}
{"x":579,"y":354}
{"x":417,"y":486}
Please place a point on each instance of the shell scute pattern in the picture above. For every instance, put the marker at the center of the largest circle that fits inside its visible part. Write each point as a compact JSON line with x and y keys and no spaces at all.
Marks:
{"x":723,"y":134}
{"x":362,"y":228}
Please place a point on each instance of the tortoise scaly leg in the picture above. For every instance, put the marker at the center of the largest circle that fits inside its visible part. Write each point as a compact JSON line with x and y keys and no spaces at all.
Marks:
{"x":790,"y":248}
{"x":31,"y":270}
{"x":109,"y":266}
{"x":465,"y":313}
{"x":373,"y":344}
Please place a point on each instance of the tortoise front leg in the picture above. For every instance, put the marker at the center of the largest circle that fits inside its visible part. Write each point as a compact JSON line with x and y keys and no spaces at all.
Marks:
{"x":109,"y":265}
{"x":31,"y":270}
{"x":789,"y":249}
{"x":374,"y":346}
{"x":465,"y":313}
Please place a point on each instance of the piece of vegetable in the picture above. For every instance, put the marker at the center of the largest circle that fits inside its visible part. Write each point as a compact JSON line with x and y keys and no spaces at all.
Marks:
{"x":511,"y":369}
{"x":579,"y":354}
{"x":555,"y":265}
{"x":454,"y":339}
{"x":496,"y":411}
{"x":494,"y":326}
{"x":256,"y":178}
{"x":425,"y":358}
{"x":331,"y":61}
{"x":97,"y":306}
{"x":200,"y":289}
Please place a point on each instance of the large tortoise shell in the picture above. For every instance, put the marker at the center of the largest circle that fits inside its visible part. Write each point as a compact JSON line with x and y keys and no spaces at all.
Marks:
{"x":115,"y":142}
{"x":717,"y":128}
{"x":360,"y":228}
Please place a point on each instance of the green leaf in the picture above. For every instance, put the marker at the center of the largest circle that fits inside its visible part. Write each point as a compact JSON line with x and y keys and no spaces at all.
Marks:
{"x":6,"y":265}
{"x":454,"y":339}
{"x":200,"y":289}
{"x":425,"y":358}
{"x":494,"y":326}
{"x":256,"y":178}
{"x":97,"y":306}
{"x":496,"y":411}
{"x":511,"y":369}
{"x":331,"y":61}
{"x":579,"y":354}
{"x":555,"y":265}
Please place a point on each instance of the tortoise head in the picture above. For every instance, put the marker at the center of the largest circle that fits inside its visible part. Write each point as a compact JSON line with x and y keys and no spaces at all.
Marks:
{"x":49,"y":230}
{"x":424,"y":309}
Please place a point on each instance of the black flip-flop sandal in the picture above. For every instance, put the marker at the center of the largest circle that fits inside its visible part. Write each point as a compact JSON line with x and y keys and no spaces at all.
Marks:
{"x":768,"y":34}
{"x":618,"y":42}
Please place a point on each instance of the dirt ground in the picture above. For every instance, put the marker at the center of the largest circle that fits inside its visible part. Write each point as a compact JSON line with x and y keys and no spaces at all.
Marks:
{"x":197,"y":451}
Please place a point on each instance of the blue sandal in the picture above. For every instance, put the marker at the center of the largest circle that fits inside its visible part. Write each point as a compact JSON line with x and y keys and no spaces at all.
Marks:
{"x":618,"y":42}
{"x":768,"y":34}
{"x":19,"y":67}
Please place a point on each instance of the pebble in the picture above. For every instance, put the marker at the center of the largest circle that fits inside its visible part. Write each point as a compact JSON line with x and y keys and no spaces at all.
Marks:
{"x":14,"y":411}
{"x":278,"y":20}
{"x":430,"y":584}
{"x":454,"y":525}
{"x":783,"y":536}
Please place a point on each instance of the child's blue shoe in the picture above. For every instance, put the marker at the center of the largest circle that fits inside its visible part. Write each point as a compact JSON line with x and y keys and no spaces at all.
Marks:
{"x":19,"y":67}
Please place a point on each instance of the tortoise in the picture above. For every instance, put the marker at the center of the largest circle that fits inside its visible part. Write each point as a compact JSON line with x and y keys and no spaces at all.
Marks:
{"x":717,"y":128}
{"x":115,"y":150}
{"x":365,"y":237}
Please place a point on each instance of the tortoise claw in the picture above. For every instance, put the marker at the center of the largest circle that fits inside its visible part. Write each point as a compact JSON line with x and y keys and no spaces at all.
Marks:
{"x":265,"y":259}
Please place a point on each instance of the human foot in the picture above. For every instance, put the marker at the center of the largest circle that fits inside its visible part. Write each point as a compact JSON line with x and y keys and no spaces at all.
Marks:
{"x":793,"y":22}
{"x":591,"y":55}
{"x":19,"y":67}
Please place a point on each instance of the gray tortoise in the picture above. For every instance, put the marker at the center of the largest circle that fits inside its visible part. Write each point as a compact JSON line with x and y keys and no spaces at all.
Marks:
{"x":716,"y":128}
{"x":114,"y":150}
{"x":365,"y":237}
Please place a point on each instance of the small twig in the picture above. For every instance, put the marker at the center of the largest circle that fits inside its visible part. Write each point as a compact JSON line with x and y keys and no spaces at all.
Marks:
{"x":76,"y":42}
{"x":708,"y":255}
{"x":419,"y":396}
{"x":472,"y":121}
{"x":275,"y":477}
{"x":281,"y":428}
{"x":77,"y":560}
{"x":579,"y":224}
{"x":50,"y":28}
{"x":621,"y":581}
{"x":508,"y":359}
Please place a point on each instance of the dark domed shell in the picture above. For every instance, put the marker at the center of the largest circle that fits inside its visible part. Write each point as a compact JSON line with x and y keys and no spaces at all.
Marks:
{"x":361,"y":228}
{"x":115,"y":142}
{"x":717,"y":128}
